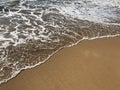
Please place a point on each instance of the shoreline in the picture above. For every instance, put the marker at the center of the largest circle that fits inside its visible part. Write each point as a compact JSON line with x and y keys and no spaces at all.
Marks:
{"x":55,"y":56}
{"x":51,"y":55}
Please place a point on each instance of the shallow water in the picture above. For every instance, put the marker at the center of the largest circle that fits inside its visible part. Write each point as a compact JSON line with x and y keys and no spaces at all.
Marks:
{"x":33,"y":30}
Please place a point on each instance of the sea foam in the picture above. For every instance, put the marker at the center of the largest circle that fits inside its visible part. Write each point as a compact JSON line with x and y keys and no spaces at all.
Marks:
{"x":31,"y":31}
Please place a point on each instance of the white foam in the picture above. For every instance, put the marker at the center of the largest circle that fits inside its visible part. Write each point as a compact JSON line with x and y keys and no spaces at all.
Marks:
{"x":92,"y":10}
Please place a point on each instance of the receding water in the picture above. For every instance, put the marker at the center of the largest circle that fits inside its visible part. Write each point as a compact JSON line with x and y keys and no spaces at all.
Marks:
{"x":31,"y":31}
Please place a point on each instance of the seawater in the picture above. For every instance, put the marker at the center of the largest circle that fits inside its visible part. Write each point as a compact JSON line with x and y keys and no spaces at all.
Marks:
{"x":31,"y":31}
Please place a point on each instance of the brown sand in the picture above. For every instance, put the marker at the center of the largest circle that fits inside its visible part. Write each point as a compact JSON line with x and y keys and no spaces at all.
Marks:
{"x":90,"y":65}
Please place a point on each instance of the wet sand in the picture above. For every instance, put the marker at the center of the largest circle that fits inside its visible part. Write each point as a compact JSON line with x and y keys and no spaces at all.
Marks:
{"x":90,"y":65}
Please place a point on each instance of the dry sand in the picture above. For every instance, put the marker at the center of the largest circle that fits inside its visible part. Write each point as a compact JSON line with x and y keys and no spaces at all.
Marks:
{"x":90,"y":65}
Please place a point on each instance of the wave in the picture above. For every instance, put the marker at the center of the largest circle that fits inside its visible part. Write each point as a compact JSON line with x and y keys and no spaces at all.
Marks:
{"x":31,"y":31}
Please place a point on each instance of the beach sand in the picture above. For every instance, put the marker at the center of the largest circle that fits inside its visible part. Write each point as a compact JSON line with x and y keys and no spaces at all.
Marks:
{"x":90,"y":65}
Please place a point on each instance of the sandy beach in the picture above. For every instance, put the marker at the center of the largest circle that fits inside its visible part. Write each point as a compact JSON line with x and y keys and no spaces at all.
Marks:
{"x":90,"y":65}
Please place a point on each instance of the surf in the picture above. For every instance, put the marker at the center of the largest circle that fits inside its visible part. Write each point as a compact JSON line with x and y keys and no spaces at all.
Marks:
{"x":31,"y":31}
